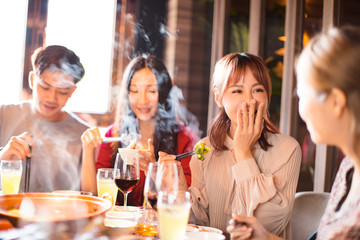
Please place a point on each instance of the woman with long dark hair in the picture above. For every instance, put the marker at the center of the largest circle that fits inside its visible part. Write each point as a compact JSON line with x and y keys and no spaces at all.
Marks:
{"x":148,"y":108}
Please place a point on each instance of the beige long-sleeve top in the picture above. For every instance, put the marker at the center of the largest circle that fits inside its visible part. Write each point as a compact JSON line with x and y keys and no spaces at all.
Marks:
{"x":263,"y":186}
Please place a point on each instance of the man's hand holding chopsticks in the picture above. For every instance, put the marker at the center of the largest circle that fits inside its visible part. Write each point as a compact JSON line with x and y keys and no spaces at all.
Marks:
{"x":91,"y":138}
{"x":18,"y":147}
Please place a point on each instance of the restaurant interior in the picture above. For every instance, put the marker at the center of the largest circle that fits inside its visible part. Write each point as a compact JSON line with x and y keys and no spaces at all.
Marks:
{"x":189,"y":36}
{"x":199,"y":32}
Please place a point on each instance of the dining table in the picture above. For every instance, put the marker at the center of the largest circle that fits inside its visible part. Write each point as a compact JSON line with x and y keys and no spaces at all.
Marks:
{"x":63,"y":216}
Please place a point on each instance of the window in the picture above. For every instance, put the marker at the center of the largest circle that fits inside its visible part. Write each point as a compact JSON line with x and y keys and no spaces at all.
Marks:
{"x":90,"y":34}
{"x":13,"y":17}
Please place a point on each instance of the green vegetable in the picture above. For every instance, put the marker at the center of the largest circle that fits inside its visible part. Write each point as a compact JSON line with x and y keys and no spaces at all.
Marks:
{"x":200,"y":149}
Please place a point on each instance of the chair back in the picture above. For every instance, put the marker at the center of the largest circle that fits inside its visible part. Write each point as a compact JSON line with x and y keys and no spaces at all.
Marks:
{"x":307,"y":212}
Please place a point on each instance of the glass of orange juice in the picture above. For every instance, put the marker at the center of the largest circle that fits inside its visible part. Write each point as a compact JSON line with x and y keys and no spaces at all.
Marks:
{"x":11,"y":171}
{"x":106,"y":187}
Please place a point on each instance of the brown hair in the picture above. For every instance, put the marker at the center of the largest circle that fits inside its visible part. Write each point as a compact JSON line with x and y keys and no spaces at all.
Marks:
{"x":59,"y":58}
{"x":332,"y":59}
{"x":228,"y":70}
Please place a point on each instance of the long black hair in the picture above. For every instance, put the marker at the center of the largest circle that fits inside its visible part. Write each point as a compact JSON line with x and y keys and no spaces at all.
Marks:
{"x":167,"y":127}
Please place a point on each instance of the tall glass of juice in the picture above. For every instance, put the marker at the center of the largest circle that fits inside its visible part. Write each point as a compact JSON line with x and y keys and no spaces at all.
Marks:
{"x":11,"y":171}
{"x":173,"y":214}
{"x":106,"y":186}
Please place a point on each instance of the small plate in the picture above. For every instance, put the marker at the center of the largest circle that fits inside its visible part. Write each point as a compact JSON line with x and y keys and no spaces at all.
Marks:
{"x":204,"y":236}
{"x":190,"y":228}
{"x":71,"y":192}
{"x":119,"y":226}
{"x":209,"y":229}
{"x":128,"y":213}
{"x":126,"y":209}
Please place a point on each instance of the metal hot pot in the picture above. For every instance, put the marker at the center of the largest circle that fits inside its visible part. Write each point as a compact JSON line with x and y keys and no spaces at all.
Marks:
{"x":51,"y":211}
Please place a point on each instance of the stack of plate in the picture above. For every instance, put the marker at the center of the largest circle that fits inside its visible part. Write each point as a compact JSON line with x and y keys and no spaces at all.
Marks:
{"x":121,"y":220}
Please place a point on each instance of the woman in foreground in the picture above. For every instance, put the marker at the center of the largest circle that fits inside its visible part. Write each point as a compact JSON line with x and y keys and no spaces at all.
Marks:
{"x":329,"y":95}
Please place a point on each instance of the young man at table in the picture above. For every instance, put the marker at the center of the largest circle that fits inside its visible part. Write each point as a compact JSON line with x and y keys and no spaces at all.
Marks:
{"x":52,"y":132}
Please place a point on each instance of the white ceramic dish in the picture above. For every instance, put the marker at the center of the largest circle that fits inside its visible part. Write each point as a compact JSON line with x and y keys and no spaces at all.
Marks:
{"x":128,"y":155}
{"x":203,"y":236}
{"x":126,"y":213}
{"x":119,"y":226}
{"x":208,"y":229}
{"x":70,"y":192}
{"x":192,"y":229}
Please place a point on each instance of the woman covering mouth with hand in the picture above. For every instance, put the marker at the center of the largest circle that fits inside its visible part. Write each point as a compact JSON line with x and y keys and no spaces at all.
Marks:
{"x":251,"y":169}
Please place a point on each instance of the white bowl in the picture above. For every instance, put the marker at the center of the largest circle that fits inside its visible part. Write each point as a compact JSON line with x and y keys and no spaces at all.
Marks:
{"x":203,"y":236}
{"x":129,"y":155}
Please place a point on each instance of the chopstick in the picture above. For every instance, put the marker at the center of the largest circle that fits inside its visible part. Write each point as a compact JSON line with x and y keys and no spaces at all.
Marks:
{"x":119,"y":139}
{"x":184,"y":155}
{"x":27,"y":173}
{"x":112,"y":139}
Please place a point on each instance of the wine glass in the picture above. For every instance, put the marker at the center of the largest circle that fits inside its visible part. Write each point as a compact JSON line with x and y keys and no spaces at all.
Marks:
{"x":173,"y":214}
{"x":127,"y":161}
{"x":150,"y":191}
{"x":167,"y":176}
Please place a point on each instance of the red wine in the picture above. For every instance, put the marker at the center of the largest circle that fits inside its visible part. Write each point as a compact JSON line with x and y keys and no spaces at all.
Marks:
{"x":126,"y":185}
{"x":152,"y":199}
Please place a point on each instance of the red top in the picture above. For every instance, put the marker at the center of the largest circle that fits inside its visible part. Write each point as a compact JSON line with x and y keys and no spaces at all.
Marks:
{"x":186,"y":140}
